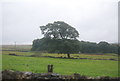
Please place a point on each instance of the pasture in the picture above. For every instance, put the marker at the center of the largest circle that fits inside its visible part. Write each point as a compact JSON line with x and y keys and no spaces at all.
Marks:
{"x":89,"y":67}
{"x":16,"y":47}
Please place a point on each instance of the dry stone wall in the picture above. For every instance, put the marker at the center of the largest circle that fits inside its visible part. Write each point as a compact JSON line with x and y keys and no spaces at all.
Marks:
{"x":9,"y":75}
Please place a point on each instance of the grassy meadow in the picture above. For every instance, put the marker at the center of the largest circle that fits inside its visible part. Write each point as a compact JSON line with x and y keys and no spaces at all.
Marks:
{"x":39,"y":64}
{"x":17,"y":47}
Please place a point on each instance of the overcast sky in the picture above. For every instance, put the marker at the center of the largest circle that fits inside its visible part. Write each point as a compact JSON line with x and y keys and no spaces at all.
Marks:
{"x":95,"y":20}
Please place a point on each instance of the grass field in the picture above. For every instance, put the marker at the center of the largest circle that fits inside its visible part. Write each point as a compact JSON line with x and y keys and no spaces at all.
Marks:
{"x":17,"y":47}
{"x":39,"y":64}
{"x":89,"y":56}
{"x":87,"y":67}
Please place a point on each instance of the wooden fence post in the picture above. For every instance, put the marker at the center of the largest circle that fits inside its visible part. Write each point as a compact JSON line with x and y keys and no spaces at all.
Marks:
{"x":50,"y":68}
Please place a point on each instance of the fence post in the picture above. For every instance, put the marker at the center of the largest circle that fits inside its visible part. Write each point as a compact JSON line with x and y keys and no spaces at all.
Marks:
{"x":50,"y":68}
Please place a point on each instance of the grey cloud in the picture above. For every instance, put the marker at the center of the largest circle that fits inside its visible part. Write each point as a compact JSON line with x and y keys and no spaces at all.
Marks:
{"x":95,"y":21}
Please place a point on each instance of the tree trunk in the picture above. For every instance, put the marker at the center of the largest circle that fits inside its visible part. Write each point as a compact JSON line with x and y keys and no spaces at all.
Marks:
{"x":68,"y":55}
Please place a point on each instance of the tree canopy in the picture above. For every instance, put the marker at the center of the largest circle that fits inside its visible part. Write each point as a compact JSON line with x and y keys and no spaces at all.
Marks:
{"x":59,"y":30}
{"x":59,"y":37}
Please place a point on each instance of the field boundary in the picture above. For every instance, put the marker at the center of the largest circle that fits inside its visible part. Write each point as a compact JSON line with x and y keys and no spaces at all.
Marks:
{"x":13,"y":75}
{"x":61,"y":57}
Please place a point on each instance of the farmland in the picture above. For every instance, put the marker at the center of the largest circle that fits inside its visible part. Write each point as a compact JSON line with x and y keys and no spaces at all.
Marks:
{"x":38,"y":64}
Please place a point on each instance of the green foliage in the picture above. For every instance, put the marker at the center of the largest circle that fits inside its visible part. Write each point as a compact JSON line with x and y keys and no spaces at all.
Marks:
{"x":101,"y":47}
{"x":104,"y":47}
{"x":59,"y":30}
{"x":65,"y":46}
{"x":72,"y":46}
{"x":59,"y":37}
{"x":88,"y":47}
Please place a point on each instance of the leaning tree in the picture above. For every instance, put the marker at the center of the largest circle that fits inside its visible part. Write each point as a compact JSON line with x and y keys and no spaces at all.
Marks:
{"x":59,"y":37}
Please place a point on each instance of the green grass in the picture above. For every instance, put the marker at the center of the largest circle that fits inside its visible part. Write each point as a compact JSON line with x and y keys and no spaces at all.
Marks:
{"x":87,"y":67}
{"x":91,"y":56}
{"x":0,"y":60}
{"x":17,"y":53}
{"x":17,"y":47}
{"x":91,"y":68}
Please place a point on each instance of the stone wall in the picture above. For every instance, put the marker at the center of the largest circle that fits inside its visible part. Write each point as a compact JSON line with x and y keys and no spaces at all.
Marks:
{"x":9,"y":75}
